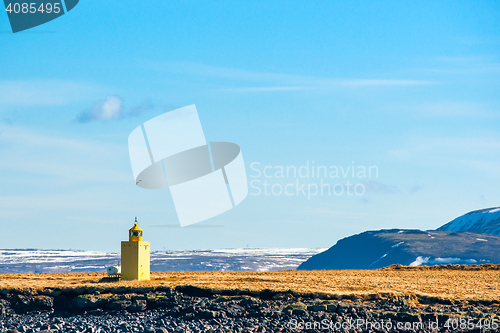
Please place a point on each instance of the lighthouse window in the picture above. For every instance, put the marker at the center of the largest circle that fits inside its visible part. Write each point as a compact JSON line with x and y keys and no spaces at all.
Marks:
{"x":135,"y":233}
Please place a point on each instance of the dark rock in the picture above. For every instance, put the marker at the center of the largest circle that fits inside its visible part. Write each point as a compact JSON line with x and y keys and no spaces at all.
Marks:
{"x":137,"y":305}
{"x":24,"y":303}
{"x":408,"y":317}
{"x":317,"y":307}
{"x":429,"y":317}
{"x":121,"y":304}
{"x":443,"y":317}
{"x":342,"y":308}
{"x":207,"y":314}
{"x":87,"y":302}
{"x":389,"y":315}
{"x":161,"y":330}
{"x":4,"y":307}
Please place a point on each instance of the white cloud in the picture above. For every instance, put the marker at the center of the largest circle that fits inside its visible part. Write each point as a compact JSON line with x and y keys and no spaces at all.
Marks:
{"x":109,"y":109}
{"x":112,"y":108}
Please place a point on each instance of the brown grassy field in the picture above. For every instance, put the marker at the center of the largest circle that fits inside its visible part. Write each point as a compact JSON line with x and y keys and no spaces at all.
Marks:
{"x":456,"y":283}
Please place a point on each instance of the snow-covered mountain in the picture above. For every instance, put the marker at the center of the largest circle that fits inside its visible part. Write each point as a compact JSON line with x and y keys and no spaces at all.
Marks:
{"x":485,"y":221}
{"x":381,"y":248}
{"x":57,"y":261}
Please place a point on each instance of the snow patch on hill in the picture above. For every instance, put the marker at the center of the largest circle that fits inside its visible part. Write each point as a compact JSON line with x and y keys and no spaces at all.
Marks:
{"x":479,"y":221}
{"x":443,"y":261}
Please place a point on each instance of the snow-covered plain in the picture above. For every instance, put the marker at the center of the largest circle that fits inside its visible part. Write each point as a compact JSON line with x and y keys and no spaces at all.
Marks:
{"x":52,"y":261}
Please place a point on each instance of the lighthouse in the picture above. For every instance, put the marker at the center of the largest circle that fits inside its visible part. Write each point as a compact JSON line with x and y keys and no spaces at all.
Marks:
{"x":135,"y":256}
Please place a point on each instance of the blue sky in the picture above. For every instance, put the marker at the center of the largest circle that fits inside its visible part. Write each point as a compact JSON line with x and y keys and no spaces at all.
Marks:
{"x":410,"y":87}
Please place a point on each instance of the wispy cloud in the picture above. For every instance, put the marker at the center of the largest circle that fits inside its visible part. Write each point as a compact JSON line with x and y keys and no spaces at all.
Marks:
{"x":328,"y":210}
{"x":197,"y":69}
{"x":376,"y":82}
{"x":324,"y":210}
{"x":141,"y":108}
{"x":21,"y":136}
{"x":196,"y":226}
{"x":264,"y":89}
{"x":469,"y":146}
{"x":373,"y":187}
{"x":32,"y":155}
{"x":415,"y":189}
{"x":238,"y":80}
{"x":456,"y":109}
{"x":45,"y":92}
{"x":466,"y":65}
{"x":480,"y":153}
{"x":6,"y":121}
{"x":479,"y":40}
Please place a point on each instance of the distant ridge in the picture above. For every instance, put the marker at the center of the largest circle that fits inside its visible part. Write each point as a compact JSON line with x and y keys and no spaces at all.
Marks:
{"x":382,"y":248}
{"x":485,"y":221}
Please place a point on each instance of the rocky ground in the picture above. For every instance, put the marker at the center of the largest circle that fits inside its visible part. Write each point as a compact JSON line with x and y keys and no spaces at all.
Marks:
{"x":197,"y":310}
{"x":397,"y":299}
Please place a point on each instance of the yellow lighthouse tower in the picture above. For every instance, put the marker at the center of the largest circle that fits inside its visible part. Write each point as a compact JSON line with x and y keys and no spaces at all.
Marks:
{"x":135,"y":256}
